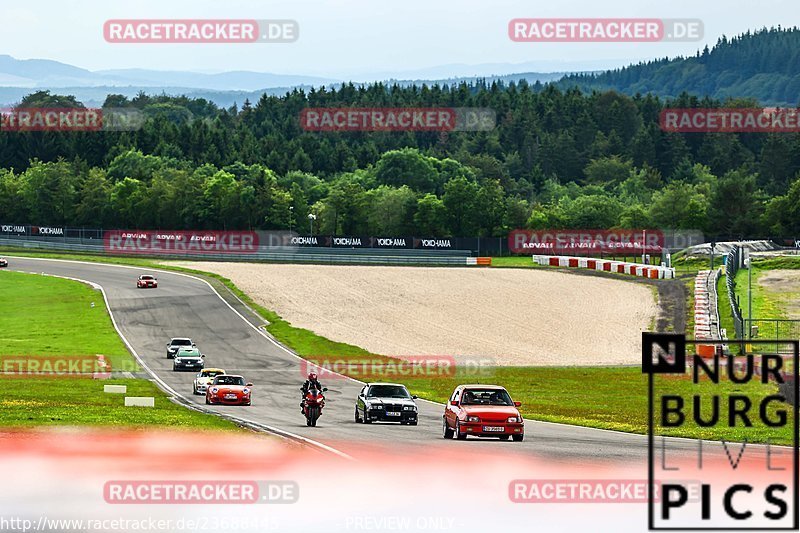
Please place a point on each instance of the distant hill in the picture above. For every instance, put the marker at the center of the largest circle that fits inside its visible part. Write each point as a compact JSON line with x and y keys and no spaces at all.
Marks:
{"x":764,"y":65}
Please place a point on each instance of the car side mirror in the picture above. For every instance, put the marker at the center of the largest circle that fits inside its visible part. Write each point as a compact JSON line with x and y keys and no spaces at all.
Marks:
{"x":202,"y":355}
{"x":414,"y":397}
{"x":249,"y":385}
{"x":453,"y":402}
{"x":517,"y":404}
{"x":324,"y":389}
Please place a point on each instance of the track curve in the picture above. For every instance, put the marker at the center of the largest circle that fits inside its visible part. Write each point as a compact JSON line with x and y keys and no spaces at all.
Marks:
{"x":186,"y":306}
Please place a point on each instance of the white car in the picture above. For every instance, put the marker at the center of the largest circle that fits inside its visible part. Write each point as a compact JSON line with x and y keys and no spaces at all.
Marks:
{"x":204,"y":378}
{"x":177,"y":343}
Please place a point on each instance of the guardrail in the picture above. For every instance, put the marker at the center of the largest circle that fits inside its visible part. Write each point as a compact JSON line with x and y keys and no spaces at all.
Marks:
{"x":280,"y":255}
{"x":731,"y":268}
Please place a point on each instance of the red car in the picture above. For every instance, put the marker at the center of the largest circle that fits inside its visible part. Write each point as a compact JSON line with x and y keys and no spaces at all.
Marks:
{"x":482,"y":411}
{"x":228,"y":390}
{"x":147,"y":282}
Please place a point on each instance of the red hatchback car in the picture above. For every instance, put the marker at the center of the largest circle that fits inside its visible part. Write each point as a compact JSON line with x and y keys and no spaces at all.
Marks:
{"x":147,"y":282}
{"x":482,"y":411}
{"x":229,"y":390}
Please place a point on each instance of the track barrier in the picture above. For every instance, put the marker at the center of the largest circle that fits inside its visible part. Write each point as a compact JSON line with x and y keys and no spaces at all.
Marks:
{"x":606,"y":265}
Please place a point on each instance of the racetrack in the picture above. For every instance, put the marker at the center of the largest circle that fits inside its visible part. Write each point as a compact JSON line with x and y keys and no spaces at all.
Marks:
{"x":187,"y":306}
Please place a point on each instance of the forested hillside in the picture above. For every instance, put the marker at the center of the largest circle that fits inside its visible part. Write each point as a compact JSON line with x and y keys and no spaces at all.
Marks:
{"x":764,"y":65}
{"x":557,"y":159}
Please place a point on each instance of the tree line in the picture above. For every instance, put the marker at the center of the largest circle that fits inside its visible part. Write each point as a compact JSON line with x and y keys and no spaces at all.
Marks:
{"x":558,"y":158}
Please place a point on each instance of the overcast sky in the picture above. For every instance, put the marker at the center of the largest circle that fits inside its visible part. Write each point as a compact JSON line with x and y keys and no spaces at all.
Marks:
{"x":340,"y":38}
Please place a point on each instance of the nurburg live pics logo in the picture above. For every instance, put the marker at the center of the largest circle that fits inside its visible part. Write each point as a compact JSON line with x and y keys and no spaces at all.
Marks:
{"x":745,"y":487}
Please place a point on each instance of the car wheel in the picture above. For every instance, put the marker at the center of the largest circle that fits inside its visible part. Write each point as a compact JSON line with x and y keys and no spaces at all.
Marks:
{"x":357,"y":418}
{"x":207,"y":402}
{"x":459,"y":435}
{"x":518,"y":438}
{"x":447,"y":433}
{"x":504,"y":437}
{"x":367,"y":419}
{"x":414,"y":423}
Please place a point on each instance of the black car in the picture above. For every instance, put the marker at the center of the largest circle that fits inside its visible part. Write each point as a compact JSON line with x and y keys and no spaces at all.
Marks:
{"x":3,"y":262}
{"x":188,"y":359}
{"x":386,"y":402}
{"x":175,"y":344}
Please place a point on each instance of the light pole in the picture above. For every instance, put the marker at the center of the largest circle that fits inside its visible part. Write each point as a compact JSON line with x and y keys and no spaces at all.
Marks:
{"x":291,"y":216}
{"x":311,"y":218}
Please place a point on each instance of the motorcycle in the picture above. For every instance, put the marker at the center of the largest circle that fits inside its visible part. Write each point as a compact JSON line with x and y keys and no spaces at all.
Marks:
{"x":313,"y":402}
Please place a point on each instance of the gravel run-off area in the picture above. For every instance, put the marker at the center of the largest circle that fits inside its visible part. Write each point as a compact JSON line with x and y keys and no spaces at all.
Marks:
{"x":522,"y":317}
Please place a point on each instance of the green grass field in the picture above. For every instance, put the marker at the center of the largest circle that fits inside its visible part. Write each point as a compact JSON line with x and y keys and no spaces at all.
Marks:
{"x":48,"y":317}
{"x":606,"y":398}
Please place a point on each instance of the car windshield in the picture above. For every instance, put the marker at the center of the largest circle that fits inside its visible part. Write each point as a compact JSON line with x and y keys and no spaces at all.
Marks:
{"x":229,"y":380}
{"x":388,"y":391}
{"x":147,"y":278}
{"x":486,"y":397}
{"x":188,"y":353}
{"x":210,"y":373}
{"x":181,"y":342}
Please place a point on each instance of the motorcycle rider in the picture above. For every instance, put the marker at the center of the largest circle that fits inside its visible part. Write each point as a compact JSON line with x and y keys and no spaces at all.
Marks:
{"x":311,"y":383}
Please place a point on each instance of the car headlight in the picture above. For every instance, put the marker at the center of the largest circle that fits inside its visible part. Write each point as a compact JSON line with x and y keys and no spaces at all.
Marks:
{"x":377,"y":407}
{"x":409,"y":408}
{"x":245,"y":391}
{"x":214,"y":390}
{"x":513,"y":419}
{"x":473,"y":419}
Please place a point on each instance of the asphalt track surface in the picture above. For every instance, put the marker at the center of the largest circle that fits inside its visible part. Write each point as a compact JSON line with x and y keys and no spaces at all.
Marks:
{"x":228,"y":334}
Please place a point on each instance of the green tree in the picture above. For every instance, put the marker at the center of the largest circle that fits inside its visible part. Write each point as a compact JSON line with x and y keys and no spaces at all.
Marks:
{"x":430,"y":218}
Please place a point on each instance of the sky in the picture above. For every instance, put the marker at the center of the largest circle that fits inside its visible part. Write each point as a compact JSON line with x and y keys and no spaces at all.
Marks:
{"x":362,"y":38}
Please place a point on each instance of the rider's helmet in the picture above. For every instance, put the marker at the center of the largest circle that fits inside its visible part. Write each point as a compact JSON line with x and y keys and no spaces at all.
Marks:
{"x":312,"y":376}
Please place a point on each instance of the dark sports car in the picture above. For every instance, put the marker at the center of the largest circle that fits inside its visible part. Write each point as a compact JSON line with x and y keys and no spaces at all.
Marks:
{"x":188,"y":359}
{"x":386,"y":402}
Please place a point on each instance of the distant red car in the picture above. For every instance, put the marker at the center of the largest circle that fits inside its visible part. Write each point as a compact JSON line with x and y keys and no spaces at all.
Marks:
{"x":482,"y":411}
{"x":147,"y":282}
{"x":228,"y":390}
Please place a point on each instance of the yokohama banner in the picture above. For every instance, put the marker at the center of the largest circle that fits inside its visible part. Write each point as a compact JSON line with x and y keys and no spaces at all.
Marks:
{"x":586,"y":241}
